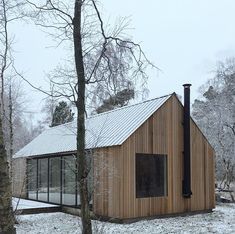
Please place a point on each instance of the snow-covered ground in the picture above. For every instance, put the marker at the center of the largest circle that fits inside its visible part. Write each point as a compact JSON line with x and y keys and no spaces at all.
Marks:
{"x":27,"y":204}
{"x":222,"y":220}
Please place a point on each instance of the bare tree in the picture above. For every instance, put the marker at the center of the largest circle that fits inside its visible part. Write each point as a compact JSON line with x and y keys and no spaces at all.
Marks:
{"x":49,"y":106}
{"x":7,"y":15}
{"x":104,"y":62}
{"x":15,"y":108}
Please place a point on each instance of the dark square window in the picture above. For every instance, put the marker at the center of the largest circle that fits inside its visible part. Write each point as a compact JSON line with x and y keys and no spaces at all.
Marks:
{"x":151,"y":175}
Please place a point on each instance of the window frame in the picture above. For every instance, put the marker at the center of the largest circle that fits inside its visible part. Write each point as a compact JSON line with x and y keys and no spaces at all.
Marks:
{"x":48,"y":158}
{"x":165,"y":174}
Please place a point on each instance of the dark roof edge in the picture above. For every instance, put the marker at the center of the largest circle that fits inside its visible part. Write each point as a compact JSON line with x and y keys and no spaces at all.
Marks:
{"x":47,"y":155}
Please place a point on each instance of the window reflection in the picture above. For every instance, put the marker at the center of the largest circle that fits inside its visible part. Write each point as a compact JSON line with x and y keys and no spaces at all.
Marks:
{"x":43,"y":179}
{"x":151,"y":175}
{"x":32,"y":178}
{"x":68,"y":181}
{"x":54,"y":180}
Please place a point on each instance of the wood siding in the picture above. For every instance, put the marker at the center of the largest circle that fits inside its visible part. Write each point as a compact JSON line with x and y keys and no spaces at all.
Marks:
{"x":162,"y":133}
{"x":107,"y":181}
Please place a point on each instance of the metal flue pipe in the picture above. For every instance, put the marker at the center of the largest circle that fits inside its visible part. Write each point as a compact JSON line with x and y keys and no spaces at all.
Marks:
{"x":187,"y":151}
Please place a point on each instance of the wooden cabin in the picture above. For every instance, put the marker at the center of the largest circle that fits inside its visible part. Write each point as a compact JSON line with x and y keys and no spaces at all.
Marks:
{"x":146,"y":162}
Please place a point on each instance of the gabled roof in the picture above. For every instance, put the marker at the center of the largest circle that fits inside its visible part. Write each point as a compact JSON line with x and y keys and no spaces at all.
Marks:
{"x":106,"y":129}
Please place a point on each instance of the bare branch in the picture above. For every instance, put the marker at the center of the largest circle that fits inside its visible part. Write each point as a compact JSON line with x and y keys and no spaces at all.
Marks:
{"x":33,"y":86}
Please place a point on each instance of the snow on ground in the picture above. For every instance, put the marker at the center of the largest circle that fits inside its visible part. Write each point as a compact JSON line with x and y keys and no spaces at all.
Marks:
{"x":27,"y":204}
{"x":222,"y":220}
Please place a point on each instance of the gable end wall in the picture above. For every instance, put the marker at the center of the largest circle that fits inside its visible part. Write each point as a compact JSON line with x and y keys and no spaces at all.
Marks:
{"x":162,"y":133}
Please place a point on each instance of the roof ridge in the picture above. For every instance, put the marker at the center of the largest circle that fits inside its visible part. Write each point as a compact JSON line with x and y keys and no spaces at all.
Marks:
{"x":123,"y":107}
{"x":64,"y":124}
{"x":110,"y":111}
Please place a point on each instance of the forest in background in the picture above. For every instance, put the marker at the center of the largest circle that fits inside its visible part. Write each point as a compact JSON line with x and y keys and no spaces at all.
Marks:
{"x":214,"y":113}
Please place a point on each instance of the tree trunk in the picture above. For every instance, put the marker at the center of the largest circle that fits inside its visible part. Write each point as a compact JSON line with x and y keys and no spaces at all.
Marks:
{"x":11,"y":130}
{"x":6,"y":214}
{"x":80,"y":104}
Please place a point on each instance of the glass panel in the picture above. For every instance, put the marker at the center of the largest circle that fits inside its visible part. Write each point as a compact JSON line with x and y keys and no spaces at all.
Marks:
{"x":32,"y":178}
{"x":151,"y":175}
{"x":43,"y":179}
{"x":54,"y":180}
{"x":68,"y":180}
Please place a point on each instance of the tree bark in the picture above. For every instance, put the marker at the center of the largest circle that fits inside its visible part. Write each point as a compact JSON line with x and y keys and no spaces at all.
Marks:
{"x":11,"y":130}
{"x":6,"y":214}
{"x":80,"y":104}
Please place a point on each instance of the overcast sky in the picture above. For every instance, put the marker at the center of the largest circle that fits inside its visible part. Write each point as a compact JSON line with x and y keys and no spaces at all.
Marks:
{"x":184,"y":38}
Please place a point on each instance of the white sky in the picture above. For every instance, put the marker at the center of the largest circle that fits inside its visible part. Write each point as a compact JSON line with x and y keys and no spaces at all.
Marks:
{"x":184,"y":38}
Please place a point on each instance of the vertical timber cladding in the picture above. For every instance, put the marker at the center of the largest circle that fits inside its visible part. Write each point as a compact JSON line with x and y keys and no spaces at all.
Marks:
{"x":151,"y":138}
{"x":162,"y":133}
{"x":203,"y":156}
{"x":107,"y":181}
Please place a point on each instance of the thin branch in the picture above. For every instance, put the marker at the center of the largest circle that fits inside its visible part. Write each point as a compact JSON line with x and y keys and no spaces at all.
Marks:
{"x":53,"y":8}
{"x":33,"y":86}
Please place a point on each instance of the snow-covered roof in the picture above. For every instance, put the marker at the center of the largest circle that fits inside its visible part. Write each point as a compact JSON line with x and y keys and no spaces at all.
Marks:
{"x":106,"y":129}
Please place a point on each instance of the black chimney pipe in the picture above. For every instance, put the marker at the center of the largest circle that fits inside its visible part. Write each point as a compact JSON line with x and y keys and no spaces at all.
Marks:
{"x":187,"y":152}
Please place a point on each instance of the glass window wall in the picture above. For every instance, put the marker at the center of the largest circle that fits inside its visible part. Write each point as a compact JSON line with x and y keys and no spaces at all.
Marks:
{"x":32,"y":179}
{"x":54,"y":180}
{"x":43,"y":179}
{"x":68,"y":181}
